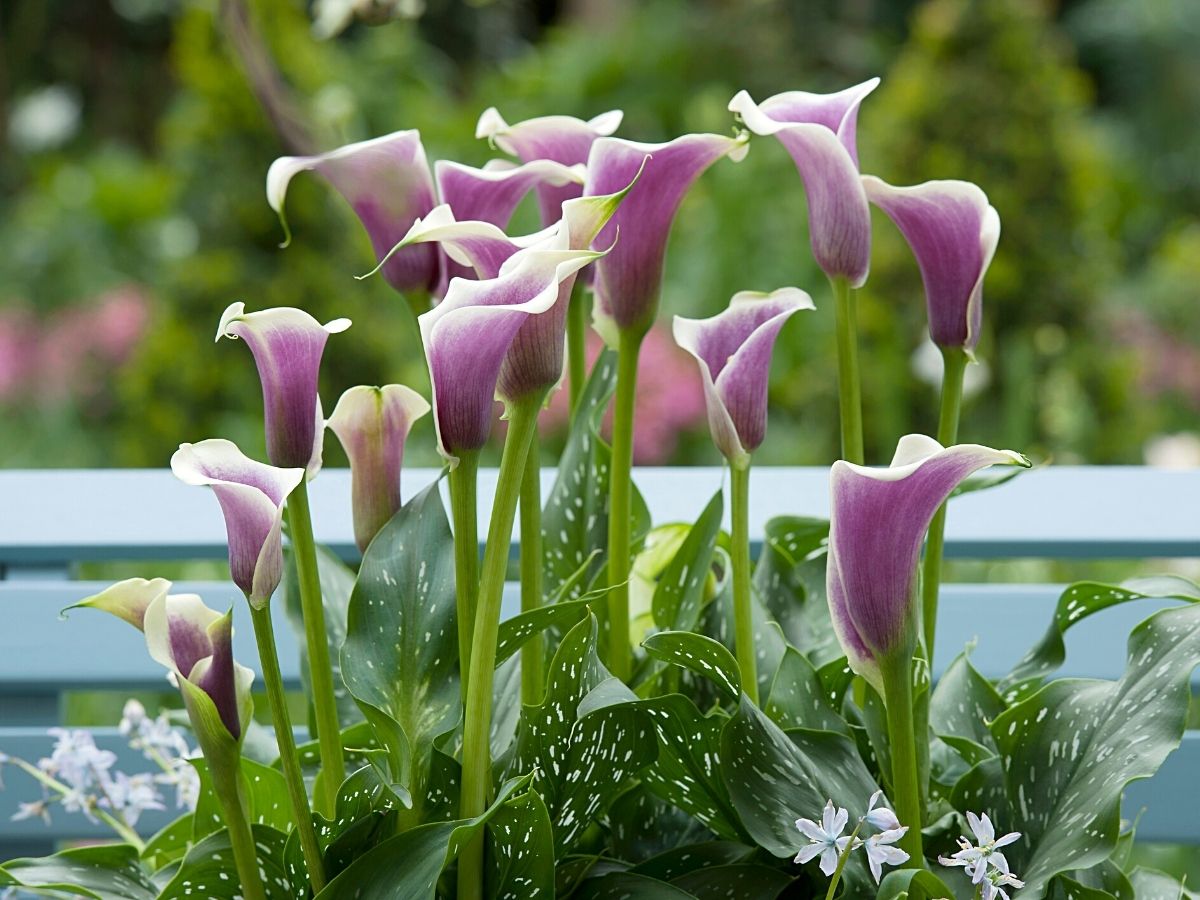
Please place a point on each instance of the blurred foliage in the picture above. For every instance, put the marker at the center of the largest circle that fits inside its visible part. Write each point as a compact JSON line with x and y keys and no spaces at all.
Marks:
{"x":159,"y":185}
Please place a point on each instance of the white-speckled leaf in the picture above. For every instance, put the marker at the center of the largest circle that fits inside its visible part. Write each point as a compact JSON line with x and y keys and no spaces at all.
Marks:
{"x":694,"y":858}
{"x":1070,"y":749}
{"x":1151,"y":884}
{"x":629,"y":886}
{"x":679,"y":594}
{"x":1077,"y":603}
{"x":702,"y":655}
{"x":799,"y":700}
{"x":789,"y":582}
{"x":521,"y":841}
{"x":737,"y":882}
{"x":400,"y":657}
{"x":964,"y":704}
{"x":110,"y":872}
{"x":208,"y":870}
{"x":266,"y":795}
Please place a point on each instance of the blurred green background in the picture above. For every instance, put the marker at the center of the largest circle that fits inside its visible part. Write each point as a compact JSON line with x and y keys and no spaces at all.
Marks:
{"x":136,"y":135}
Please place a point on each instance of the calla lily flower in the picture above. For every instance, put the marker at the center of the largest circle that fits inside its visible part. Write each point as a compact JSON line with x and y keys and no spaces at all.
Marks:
{"x":287,"y":344}
{"x":877,"y":525}
{"x":468,"y":335}
{"x":373,"y":423}
{"x":387,"y":182}
{"x":733,"y":350}
{"x":629,"y":279}
{"x":953,"y":232}
{"x":193,"y":642}
{"x":820,"y":133}
{"x":563,"y":139}
{"x":252,"y":495}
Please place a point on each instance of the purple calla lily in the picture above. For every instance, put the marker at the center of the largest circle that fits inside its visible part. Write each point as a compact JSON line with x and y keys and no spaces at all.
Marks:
{"x":252,"y":496}
{"x":629,"y":279}
{"x":468,"y":335}
{"x":563,"y":139}
{"x":820,"y":133}
{"x":373,"y":423}
{"x":193,"y":642}
{"x":953,"y":232}
{"x":733,"y":350}
{"x":877,"y":525}
{"x":287,"y":344}
{"x":387,"y":182}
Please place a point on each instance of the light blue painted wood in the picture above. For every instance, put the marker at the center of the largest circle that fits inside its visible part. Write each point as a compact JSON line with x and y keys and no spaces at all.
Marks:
{"x":1069,"y":511}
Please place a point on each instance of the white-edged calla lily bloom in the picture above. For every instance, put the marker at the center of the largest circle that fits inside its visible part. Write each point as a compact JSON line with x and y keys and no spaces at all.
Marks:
{"x":287,"y":344}
{"x":953,"y":231}
{"x":252,"y":496}
{"x":372,"y":424}
{"x":877,"y":526}
{"x":820,"y":132}
{"x":733,"y":351}
{"x":194,"y":644}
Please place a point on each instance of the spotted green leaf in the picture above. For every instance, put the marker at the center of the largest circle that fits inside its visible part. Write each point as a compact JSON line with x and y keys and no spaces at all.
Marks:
{"x":736,"y":882}
{"x":699,"y":654}
{"x":789,"y":582}
{"x":1151,"y":884}
{"x":521,"y":839}
{"x":266,"y":794}
{"x":913,"y":884}
{"x":1077,"y":603}
{"x":110,"y":872}
{"x":798,"y":699}
{"x":679,"y":592}
{"x":208,"y":870}
{"x":1069,"y":750}
{"x":400,"y":654}
{"x":691,"y":858}
{"x":964,"y":704}
{"x":629,"y":886}
{"x":407,"y":866}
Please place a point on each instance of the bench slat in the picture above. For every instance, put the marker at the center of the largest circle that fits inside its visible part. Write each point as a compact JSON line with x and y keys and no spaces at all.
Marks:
{"x":62,"y":516}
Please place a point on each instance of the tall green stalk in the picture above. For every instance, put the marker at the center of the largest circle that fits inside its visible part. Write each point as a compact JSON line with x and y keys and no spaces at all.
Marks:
{"x":316,"y":638}
{"x":264,"y":634}
{"x":577,"y":314}
{"x":743,"y":615}
{"x":620,"y":653}
{"x":947,"y":435}
{"x":849,"y":387}
{"x":464,"y":479}
{"x":227,"y":786}
{"x":906,"y":781}
{"x":476,"y":761}
{"x":533,"y":653}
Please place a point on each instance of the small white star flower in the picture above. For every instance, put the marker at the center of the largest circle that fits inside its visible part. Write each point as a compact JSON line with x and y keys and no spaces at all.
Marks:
{"x":39,"y":809}
{"x":826,"y":838}
{"x":983,"y":862}
{"x":881,"y":853}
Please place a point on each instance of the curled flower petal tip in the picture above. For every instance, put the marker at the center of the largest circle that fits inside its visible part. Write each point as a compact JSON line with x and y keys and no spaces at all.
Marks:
{"x":953,"y":231}
{"x":733,"y":352}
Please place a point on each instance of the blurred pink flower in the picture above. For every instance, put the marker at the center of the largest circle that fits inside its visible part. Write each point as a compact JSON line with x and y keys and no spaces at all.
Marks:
{"x":1168,"y":362}
{"x":670,"y":398}
{"x":63,"y":356}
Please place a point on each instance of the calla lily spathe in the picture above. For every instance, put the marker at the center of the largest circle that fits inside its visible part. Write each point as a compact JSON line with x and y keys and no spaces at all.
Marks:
{"x":387,"y":182}
{"x":287,"y":344}
{"x":468,"y":335}
{"x":629,"y":279}
{"x":820,"y":133}
{"x":372,"y":424}
{"x":953,"y":232}
{"x":193,"y":642}
{"x":563,"y":139}
{"x":877,"y":525}
{"x":252,"y":496}
{"x":733,"y":350}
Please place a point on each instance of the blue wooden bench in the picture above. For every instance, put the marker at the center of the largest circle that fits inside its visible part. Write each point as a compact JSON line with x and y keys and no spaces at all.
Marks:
{"x":54,"y":520}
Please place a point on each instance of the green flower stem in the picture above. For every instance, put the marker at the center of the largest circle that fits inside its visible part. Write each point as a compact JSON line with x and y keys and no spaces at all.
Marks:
{"x":841,"y":864}
{"x":289,"y":759}
{"x":849,"y":388}
{"x":476,"y":764}
{"x":947,"y":434}
{"x":329,"y":735}
{"x":906,"y":786}
{"x":620,"y":653}
{"x":534,"y":652}
{"x":122,"y":830}
{"x":577,"y":343}
{"x":743,"y":616}
{"x":231,"y":797}
{"x":464,"y":479}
